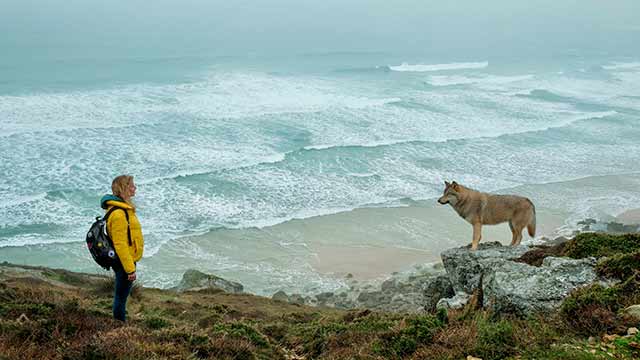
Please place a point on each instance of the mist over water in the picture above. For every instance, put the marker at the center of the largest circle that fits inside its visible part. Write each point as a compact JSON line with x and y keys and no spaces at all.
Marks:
{"x":239,"y":131}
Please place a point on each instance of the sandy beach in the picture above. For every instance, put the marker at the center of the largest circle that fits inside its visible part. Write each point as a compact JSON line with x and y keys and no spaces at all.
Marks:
{"x":366,"y":262}
{"x":370,"y":262}
{"x":629,"y":217}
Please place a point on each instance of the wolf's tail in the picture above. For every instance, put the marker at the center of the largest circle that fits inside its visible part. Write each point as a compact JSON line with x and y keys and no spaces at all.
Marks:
{"x":531,"y":227}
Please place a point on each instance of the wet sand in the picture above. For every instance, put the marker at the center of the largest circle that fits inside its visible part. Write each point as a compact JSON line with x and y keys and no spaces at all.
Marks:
{"x":365,"y":262}
{"x":629,"y":217}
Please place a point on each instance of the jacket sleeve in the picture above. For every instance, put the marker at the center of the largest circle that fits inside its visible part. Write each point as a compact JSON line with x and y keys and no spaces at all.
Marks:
{"x":118,"y":233}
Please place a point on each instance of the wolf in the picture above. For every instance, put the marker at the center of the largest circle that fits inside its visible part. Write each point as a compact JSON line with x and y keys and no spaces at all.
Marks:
{"x":480,"y":208}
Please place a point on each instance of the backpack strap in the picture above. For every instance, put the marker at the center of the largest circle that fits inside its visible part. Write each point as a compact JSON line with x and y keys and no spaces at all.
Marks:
{"x":126,"y":215}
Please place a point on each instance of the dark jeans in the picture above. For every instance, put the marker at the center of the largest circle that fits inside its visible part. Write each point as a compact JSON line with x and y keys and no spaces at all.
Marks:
{"x":121,"y":293}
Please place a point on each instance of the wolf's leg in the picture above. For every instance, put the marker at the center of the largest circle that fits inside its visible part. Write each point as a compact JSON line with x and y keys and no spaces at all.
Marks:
{"x":518,"y":235}
{"x":514,"y":237}
{"x":519,"y":221}
{"x":477,"y":235}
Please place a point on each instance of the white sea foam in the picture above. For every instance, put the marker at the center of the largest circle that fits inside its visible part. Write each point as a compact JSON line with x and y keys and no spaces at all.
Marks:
{"x":21,"y":240}
{"x":217,"y":96}
{"x":622,"y":66}
{"x":448,"y":80}
{"x":13,"y":200}
{"x":439,"y":67}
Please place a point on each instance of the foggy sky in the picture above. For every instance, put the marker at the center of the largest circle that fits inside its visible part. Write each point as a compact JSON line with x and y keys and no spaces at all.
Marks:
{"x":290,"y":26}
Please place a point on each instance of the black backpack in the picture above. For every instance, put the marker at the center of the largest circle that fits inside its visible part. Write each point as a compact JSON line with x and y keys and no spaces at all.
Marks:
{"x":99,"y":242}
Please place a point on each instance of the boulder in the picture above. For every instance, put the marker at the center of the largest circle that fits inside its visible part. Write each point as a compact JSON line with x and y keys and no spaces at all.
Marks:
{"x":297,"y":299}
{"x":324,"y":297}
{"x":458,"y":301}
{"x":438,"y":288}
{"x":508,"y":286}
{"x":196,"y":280}
{"x":465,"y":266}
{"x":523,"y":289}
{"x":280,"y":296}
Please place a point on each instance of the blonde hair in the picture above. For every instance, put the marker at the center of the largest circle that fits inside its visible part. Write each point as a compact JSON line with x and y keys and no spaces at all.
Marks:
{"x":120,"y":186}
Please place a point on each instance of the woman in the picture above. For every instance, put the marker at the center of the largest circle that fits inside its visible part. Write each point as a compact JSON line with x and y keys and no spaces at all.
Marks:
{"x":125,"y":232}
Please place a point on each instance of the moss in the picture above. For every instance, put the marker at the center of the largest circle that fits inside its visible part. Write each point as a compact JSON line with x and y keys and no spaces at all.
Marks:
{"x":422,"y":328}
{"x":558,"y":353}
{"x":65,"y":276}
{"x":600,"y":245}
{"x":315,"y":336}
{"x":496,"y":340}
{"x":242,"y":331}
{"x":418,"y":331}
{"x":301,"y":318}
{"x":629,"y":346}
{"x":156,"y":322}
{"x":277,"y":331}
{"x":209,"y":321}
{"x":629,"y":290}
{"x":371,"y":324}
{"x":591,"y":310}
{"x":219,"y":309}
{"x":31,"y":310}
{"x":396,"y":345}
{"x":619,"y":266}
{"x":442,"y":315}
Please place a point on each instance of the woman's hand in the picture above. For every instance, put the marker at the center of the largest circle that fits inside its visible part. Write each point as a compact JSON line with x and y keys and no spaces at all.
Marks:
{"x":132,"y":276}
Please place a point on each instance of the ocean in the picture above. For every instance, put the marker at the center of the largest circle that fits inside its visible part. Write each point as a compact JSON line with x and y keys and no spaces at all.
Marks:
{"x":257,"y":168}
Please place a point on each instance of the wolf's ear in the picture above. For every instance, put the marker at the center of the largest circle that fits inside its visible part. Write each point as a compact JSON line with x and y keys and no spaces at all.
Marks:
{"x":447,"y":184}
{"x":455,"y":186}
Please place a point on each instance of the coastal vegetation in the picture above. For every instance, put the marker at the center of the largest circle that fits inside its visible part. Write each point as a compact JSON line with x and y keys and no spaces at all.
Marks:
{"x":63,"y":315}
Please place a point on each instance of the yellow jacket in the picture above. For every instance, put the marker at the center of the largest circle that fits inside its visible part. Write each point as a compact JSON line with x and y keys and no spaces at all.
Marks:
{"x":117,"y":229}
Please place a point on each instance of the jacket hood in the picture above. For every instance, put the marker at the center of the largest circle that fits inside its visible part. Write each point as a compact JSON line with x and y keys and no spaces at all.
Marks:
{"x":112,"y":200}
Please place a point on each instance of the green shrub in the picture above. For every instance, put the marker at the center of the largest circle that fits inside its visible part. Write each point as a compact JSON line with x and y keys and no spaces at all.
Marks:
{"x":13,"y":310}
{"x":629,"y":290}
{"x":625,"y":346}
{"x":156,"y":322}
{"x":558,"y":353}
{"x":591,"y":310}
{"x":600,"y":245}
{"x":419,"y":330}
{"x":277,"y":331}
{"x":315,"y":335}
{"x":396,"y":345}
{"x":242,"y":331}
{"x":371,"y":324}
{"x":619,"y":266}
{"x":495,"y":339}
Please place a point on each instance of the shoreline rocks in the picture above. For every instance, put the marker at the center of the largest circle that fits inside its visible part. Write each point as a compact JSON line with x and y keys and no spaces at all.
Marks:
{"x":403,"y":292}
{"x":194,"y":280}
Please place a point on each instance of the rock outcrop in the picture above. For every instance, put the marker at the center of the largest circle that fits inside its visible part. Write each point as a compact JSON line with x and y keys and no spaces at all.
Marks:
{"x":465,"y":267}
{"x":509,"y":286}
{"x":194,"y":280}
{"x":523,"y":289}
